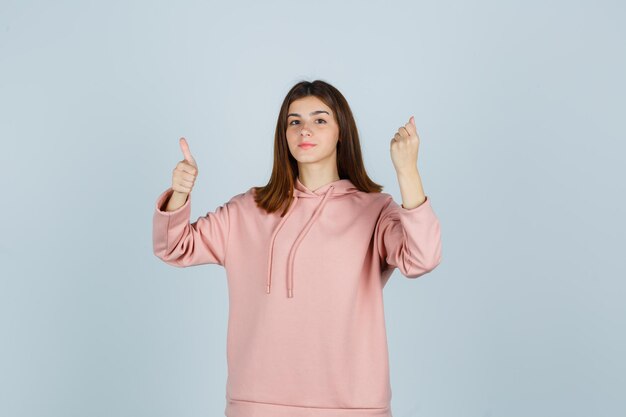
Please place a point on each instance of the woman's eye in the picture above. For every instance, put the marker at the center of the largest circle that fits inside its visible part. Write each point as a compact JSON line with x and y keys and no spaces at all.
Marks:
{"x":317,"y":119}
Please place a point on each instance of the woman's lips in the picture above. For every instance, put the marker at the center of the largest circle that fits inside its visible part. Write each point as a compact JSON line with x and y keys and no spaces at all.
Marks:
{"x":306,"y":145}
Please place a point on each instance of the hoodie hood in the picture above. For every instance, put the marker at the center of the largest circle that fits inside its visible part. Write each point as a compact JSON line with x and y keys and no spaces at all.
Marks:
{"x":322,"y":194}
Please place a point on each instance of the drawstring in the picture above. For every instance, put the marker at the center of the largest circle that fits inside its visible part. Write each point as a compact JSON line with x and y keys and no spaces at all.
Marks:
{"x":292,"y":251}
{"x":269,"y":265}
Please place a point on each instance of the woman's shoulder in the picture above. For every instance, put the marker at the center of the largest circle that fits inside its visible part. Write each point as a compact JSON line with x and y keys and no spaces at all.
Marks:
{"x":245,"y":200}
{"x":377,"y":198}
{"x":371,"y":202}
{"x":243,"y":197}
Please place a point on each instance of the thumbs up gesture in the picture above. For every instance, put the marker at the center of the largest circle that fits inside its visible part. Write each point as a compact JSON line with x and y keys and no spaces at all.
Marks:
{"x":186,"y":171}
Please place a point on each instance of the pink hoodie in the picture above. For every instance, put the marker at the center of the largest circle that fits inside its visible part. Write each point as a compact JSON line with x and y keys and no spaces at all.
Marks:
{"x":306,"y":328}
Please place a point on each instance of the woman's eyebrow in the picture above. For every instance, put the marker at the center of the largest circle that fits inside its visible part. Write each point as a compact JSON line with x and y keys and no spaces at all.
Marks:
{"x":311,"y":114}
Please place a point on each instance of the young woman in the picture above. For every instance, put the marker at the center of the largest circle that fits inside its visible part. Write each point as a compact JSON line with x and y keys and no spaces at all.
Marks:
{"x":307,"y":257}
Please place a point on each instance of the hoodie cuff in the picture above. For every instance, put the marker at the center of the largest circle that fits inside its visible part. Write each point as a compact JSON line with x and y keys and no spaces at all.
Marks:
{"x":423,"y":238}
{"x":164,"y":197}
{"x":420,"y":215}
{"x":421,"y":206}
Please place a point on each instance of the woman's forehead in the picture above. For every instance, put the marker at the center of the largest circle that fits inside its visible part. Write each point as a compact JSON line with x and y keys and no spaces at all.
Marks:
{"x":308,"y":104}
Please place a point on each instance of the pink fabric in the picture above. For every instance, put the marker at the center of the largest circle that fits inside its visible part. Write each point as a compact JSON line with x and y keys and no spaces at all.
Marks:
{"x":306,"y":328}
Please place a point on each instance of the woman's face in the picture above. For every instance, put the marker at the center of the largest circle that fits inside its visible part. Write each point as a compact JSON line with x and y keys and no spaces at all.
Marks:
{"x":310,"y":120}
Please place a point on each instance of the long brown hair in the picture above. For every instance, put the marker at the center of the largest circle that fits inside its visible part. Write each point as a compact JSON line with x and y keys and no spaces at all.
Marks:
{"x":278,"y":191}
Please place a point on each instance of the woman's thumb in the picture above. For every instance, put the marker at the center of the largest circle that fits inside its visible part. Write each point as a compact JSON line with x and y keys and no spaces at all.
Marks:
{"x":185,"y":148}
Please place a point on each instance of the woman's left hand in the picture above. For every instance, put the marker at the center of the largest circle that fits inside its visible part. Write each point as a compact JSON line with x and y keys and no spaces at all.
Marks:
{"x":404,"y":147}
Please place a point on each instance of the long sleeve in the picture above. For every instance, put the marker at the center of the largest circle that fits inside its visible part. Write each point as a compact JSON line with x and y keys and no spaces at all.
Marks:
{"x":181,"y":244}
{"x":409,"y":239}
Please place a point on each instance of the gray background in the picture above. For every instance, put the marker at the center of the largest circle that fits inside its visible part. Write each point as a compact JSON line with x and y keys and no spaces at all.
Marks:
{"x":520,"y":110}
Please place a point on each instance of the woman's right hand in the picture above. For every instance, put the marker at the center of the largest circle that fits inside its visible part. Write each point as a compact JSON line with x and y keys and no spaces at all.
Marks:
{"x":186,"y":171}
